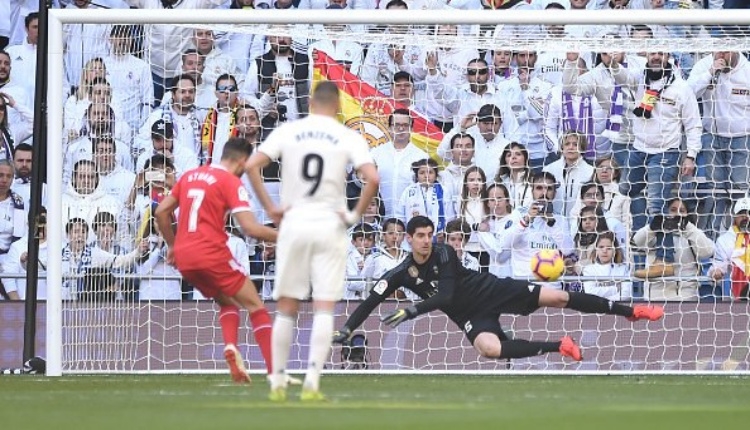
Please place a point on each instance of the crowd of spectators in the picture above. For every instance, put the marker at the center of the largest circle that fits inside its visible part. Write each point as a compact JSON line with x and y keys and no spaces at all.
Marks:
{"x":634,"y":166}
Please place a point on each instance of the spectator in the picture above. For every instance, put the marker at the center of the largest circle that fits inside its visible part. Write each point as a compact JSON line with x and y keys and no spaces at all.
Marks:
{"x":609,"y":264}
{"x":502,"y":66}
{"x":23,"y":56}
{"x":85,"y":196}
{"x":182,"y":114}
{"x":82,"y":42}
{"x":363,"y":240}
{"x":12,"y":90}
{"x":152,"y":184}
{"x":216,"y":62}
{"x":489,"y":139}
{"x":375,"y":210}
{"x":668,"y":109}
{"x":75,"y":106}
{"x":676,"y":247}
{"x":500,"y":208}
{"x":515,"y":174}
{"x":472,"y":208}
{"x":615,"y":203}
{"x":243,"y":48}
{"x":570,"y":172}
{"x":12,"y":215}
{"x":116,"y":180}
{"x":107,"y":237}
{"x":394,"y":160}
{"x":566,"y":112}
{"x":720,"y":80}
{"x":591,"y":224}
{"x":165,"y":43}
{"x":22,"y":161}
{"x":462,"y":158}
{"x":5,"y":24}
{"x":425,"y":196}
{"x":80,"y":258}
{"x":388,"y":254}
{"x":403,"y":90}
{"x":732,"y":257}
{"x":536,"y":227}
{"x":285,"y":76}
{"x":219,"y":123}
{"x":130,"y":77}
{"x":17,"y":261}
{"x":163,"y":143}
{"x":347,"y":53}
{"x":13,"y":133}
{"x":457,"y":234}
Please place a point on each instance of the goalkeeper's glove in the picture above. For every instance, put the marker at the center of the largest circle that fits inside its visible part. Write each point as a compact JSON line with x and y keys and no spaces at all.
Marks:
{"x":342,"y":336}
{"x":399,"y":316}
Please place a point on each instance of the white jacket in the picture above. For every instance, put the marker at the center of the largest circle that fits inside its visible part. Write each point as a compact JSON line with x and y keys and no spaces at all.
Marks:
{"x":612,"y":289}
{"x":569,"y":179}
{"x":420,"y":200}
{"x":727,"y":102}
{"x":690,"y":247}
{"x":499,"y":256}
{"x":486,"y":153}
{"x":395,"y":172}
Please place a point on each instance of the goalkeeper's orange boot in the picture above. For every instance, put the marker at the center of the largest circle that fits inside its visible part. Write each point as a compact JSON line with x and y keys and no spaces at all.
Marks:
{"x":568,"y":348}
{"x":643,"y":312}
{"x":236,"y":366}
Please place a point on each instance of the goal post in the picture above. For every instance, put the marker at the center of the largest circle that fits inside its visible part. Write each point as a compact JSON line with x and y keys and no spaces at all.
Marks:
{"x":181,"y":336}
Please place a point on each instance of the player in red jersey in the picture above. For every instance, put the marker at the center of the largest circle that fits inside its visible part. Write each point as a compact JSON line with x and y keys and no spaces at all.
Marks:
{"x":205,"y":196}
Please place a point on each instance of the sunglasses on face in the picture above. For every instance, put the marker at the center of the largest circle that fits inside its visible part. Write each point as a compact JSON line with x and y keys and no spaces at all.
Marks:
{"x":230,"y":88}
{"x":474,"y":72}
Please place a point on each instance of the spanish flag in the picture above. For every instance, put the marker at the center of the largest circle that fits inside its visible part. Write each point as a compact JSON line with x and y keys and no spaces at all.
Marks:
{"x":366,"y":110}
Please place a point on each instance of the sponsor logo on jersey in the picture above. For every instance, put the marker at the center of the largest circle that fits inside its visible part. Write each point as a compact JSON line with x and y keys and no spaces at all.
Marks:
{"x":380,"y":287}
{"x":740,"y":92}
{"x":242,"y":194}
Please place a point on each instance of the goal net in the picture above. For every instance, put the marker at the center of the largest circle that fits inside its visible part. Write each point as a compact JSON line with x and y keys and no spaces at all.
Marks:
{"x":640,"y":119}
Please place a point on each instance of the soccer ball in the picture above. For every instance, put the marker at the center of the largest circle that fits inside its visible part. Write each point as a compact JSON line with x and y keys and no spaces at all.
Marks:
{"x":547,"y":265}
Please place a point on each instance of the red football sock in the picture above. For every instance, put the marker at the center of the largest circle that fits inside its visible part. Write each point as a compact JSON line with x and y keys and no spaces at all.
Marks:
{"x":261,"y":323}
{"x":229,"y":319}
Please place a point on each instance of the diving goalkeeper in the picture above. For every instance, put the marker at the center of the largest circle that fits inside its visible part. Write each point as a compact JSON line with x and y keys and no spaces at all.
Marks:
{"x":475,"y":301}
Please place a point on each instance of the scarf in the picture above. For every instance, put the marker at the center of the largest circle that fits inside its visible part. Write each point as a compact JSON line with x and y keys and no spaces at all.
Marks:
{"x":651,"y":96}
{"x":616,"y":111}
{"x":6,"y":144}
{"x":81,"y":267}
{"x":740,"y":274}
{"x":208,"y":137}
{"x":584,"y":123}
{"x":166,"y":115}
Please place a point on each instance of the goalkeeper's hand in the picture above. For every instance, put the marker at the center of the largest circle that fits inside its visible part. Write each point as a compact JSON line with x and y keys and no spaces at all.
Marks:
{"x":399,"y":316}
{"x":342,"y":336}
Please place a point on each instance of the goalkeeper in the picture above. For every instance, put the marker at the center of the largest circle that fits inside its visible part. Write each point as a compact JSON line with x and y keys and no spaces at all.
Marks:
{"x":475,"y":301}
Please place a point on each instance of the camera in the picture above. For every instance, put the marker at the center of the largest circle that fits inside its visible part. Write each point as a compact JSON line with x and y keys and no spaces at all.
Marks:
{"x":155,"y":176}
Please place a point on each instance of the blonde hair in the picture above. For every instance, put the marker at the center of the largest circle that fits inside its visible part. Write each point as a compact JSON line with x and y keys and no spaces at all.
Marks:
{"x":84,"y":88}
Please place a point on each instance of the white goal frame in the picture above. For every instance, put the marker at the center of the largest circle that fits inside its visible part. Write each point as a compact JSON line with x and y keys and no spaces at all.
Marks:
{"x":58,"y":17}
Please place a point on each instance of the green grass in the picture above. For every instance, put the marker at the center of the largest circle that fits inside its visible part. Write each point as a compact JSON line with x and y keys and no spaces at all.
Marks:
{"x":378,"y":402}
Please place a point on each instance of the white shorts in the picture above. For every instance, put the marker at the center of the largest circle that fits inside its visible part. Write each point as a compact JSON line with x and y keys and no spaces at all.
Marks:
{"x":311,"y":254}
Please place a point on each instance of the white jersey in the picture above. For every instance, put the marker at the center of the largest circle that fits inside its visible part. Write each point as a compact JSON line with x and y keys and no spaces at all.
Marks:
{"x":316,"y":151}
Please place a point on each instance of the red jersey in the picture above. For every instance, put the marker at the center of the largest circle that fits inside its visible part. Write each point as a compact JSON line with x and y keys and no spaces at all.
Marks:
{"x":206,"y":195}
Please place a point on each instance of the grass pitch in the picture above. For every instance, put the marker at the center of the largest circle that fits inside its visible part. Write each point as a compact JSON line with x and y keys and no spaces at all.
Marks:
{"x":378,"y":402}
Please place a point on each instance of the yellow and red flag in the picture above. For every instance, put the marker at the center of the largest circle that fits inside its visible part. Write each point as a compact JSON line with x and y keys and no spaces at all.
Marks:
{"x":366,"y":110}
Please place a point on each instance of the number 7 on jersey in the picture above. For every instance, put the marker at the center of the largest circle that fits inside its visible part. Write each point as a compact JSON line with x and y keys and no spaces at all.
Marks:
{"x":196,"y":195}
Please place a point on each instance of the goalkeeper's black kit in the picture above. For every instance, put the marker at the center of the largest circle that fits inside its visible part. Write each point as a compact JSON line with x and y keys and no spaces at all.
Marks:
{"x":472,"y":300}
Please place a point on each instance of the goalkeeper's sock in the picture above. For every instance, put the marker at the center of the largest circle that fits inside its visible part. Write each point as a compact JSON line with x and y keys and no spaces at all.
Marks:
{"x":261,"y":323}
{"x":281,"y":342}
{"x":320,"y":348}
{"x":520,"y":348}
{"x":592,"y":304}
{"x":229,"y":320}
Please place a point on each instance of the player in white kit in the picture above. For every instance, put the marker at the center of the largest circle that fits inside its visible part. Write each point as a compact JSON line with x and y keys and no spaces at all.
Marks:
{"x":312,"y":243}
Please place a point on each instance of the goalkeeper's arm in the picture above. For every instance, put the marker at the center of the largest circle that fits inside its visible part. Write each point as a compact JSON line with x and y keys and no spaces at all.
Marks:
{"x":386,"y":286}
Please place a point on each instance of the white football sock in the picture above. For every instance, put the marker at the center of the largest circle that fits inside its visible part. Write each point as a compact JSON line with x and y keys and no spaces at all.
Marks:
{"x":281,"y":342}
{"x":320,"y":348}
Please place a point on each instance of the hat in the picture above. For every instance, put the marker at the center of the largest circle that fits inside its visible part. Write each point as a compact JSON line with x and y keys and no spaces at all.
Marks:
{"x":334,"y":6}
{"x":401,"y":75}
{"x":742,"y":204}
{"x":488,"y":113}
{"x":162,"y":129}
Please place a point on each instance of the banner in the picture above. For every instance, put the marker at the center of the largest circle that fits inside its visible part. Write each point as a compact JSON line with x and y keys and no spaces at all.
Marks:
{"x":366,"y":110}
